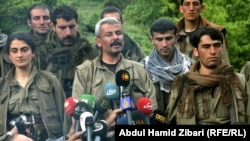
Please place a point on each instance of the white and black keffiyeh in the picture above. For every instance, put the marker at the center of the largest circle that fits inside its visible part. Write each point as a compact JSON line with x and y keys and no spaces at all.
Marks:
{"x":164,"y":72}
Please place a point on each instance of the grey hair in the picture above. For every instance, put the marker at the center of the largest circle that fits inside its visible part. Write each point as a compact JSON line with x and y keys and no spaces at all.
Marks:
{"x":107,"y":20}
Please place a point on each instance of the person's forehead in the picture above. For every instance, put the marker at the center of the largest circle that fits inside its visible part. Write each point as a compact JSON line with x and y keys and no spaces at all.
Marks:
{"x":110,"y":27}
{"x":114,"y":14}
{"x":39,"y":11}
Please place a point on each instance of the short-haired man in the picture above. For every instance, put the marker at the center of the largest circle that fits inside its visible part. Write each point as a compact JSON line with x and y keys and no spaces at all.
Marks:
{"x":211,"y":93}
{"x":132,"y":49}
{"x":165,"y":61}
{"x":64,"y":47}
{"x":192,"y":21}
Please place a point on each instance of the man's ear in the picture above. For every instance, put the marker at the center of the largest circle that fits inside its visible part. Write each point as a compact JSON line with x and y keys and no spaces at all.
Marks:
{"x":29,"y":22}
{"x":98,"y":42}
{"x":195,"y":52}
{"x":180,"y":9}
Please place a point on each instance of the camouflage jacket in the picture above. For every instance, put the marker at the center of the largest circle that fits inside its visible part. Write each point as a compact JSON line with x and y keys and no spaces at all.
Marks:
{"x":62,"y":60}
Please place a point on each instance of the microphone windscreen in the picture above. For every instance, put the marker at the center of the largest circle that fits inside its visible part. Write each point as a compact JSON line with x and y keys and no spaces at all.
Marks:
{"x":144,"y":105}
{"x":82,"y":119}
{"x":100,"y":129}
{"x":80,"y":108}
{"x":89,"y":99}
{"x":102,"y":104}
{"x":157,"y":117}
{"x":138,"y":118}
{"x":122,"y":78}
{"x":69,"y":105}
{"x":111,"y":91}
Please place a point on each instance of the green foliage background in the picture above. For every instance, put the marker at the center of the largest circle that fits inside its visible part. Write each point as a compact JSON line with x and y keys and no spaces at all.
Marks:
{"x":138,"y":15}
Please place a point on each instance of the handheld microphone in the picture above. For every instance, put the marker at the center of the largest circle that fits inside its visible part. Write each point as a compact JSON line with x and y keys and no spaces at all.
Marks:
{"x":157,"y":117}
{"x":90,"y":100}
{"x":87,"y":124}
{"x":127,"y":104}
{"x":69,"y":105}
{"x":138,"y":118}
{"x":112,"y":92}
{"x":101,"y":107}
{"x":80,"y":108}
{"x":144,"y":105}
{"x":100,"y":130}
{"x":122,"y":79}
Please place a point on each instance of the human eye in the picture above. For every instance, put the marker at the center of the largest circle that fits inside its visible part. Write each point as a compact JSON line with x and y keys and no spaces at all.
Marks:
{"x":46,"y":17}
{"x":159,"y":39}
{"x":62,"y":27}
{"x":186,"y":3}
{"x":25,"y":49}
{"x":119,"y":32}
{"x":217,"y":45}
{"x":13,"y":50}
{"x":36,"y":18}
{"x":196,"y":4}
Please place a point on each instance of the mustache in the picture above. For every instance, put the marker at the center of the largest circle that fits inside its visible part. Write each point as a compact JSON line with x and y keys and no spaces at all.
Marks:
{"x":115,"y":43}
{"x":68,"y":38}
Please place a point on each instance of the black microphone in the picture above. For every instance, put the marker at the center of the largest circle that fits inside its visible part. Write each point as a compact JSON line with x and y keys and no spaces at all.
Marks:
{"x":101,"y":106}
{"x":80,"y":108}
{"x":122,"y":80}
{"x":138,"y":118}
{"x":157,"y":117}
{"x":100,"y":130}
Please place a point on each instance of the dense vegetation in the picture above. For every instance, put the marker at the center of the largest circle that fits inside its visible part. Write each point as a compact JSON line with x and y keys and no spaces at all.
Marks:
{"x":138,"y":16}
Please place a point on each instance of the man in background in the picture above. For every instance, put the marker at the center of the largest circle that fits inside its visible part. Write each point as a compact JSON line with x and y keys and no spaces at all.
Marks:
{"x":191,"y":22}
{"x":131,"y":50}
{"x":165,"y":61}
{"x":65,"y":47}
{"x":38,"y":19}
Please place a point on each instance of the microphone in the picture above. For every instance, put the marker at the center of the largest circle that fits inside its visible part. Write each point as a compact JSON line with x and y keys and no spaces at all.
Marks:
{"x":80,"y":108}
{"x":138,"y":118}
{"x":112,"y":92}
{"x":122,"y":79}
{"x":90,"y":100}
{"x":144,"y":105}
{"x":157,"y":117}
{"x":87,"y":124}
{"x":100,"y":130}
{"x":101,"y":107}
{"x":127,"y":104}
{"x":69,"y":105}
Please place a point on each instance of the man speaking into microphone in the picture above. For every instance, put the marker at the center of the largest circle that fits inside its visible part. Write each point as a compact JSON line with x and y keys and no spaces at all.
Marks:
{"x":93,"y":75}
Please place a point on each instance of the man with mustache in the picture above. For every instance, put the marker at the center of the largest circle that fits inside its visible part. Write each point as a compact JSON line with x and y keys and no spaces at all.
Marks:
{"x":65,"y":47}
{"x":91,"y":77}
{"x":191,"y":22}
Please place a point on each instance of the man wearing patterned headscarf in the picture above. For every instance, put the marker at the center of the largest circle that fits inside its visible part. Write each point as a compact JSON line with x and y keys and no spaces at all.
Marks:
{"x":165,"y":61}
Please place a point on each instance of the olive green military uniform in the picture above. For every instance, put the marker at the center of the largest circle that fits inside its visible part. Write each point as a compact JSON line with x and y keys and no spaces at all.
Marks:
{"x":62,"y":60}
{"x":185,"y":46}
{"x":210,"y":95}
{"x":43,"y":97}
{"x":91,"y":78}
